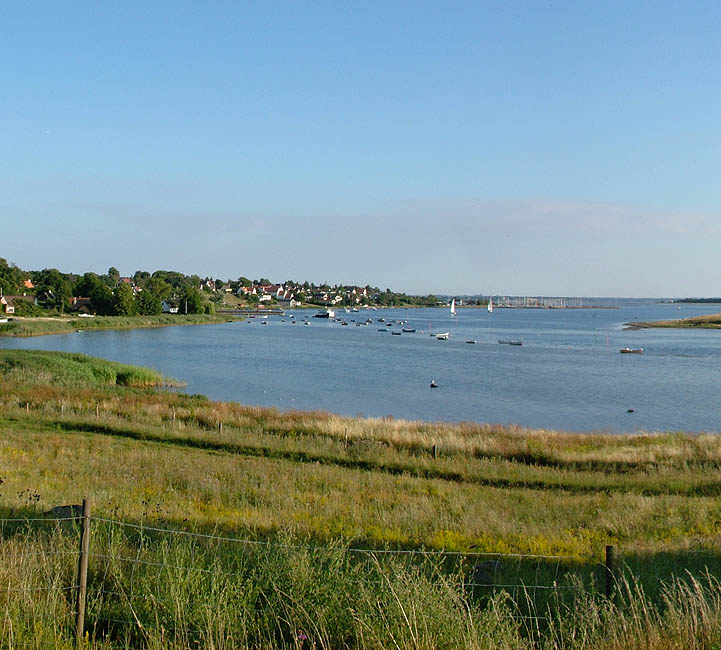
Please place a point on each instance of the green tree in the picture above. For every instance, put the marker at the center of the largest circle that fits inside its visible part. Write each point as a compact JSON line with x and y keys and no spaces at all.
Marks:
{"x":124,"y":301}
{"x":191,"y":301}
{"x":113,"y":276}
{"x":56,"y":286}
{"x":11,"y":277}
{"x":148,"y":303}
{"x":159,"y":288}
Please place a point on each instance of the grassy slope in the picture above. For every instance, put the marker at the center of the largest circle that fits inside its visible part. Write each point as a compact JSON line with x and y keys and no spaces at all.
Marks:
{"x":63,"y":325}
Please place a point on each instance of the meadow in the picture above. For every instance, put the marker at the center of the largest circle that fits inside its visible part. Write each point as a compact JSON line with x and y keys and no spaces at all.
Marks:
{"x":223,"y":525}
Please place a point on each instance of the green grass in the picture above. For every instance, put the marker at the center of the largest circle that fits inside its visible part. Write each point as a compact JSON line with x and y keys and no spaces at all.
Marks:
{"x":37,"y":367}
{"x":66,"y":324}
{"x":311,"y":485}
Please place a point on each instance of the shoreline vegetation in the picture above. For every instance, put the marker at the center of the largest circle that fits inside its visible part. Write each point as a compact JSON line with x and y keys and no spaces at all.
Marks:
{"x":42,"y":326}
{"x":325,"y":505}
{"x":710,"y":321}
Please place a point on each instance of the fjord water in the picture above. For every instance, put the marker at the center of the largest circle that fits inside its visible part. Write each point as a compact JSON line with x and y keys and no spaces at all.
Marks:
{"x":567,"y":375}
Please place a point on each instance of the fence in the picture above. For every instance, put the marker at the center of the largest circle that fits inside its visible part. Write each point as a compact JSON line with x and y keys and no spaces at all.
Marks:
{"x":130,"y":578}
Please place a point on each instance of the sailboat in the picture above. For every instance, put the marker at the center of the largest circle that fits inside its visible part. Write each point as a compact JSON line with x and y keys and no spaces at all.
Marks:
{"x":490,"y":304}
{"x":453,"y":307}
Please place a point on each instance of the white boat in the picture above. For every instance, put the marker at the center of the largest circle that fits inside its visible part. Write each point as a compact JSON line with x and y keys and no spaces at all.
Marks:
{"x":490,"y":305}
{"x":443,"y":336}
{"x":453,"y":307}
{"x":324,"y":313}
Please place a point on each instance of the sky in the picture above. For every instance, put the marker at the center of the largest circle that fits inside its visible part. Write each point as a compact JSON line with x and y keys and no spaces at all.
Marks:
{"x":525,"y":148}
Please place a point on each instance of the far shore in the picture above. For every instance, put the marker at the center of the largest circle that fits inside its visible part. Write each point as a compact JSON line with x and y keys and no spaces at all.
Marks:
{"x":710,"y":322}
{"x":20,"y":326}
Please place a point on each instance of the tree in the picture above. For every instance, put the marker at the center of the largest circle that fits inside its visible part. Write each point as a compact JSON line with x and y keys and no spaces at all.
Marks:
{"x":11,"y":277}
{"x":159,"y":288}
{"x":124,"y":301}
{"x":56,"y":286}
{"x":113,"y":276}
{"x":191,"y":301}
{"x":148,"y":304}
{"x":101,"y":298}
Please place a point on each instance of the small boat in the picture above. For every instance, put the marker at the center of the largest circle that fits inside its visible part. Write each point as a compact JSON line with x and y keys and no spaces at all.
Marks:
{"x":265,"y":322}
{"x":389,"y":324}
{"x":324,"y":313}
{"x":383,"y":330}
{"x":510,"y":341}
{"x":472,"y":341}
{"x":344,"y":323}
{"x":433,"y":383}
{"x":409,"y":330}
{"x":490,"y":305}
{"x":396,"y":333}
{"x":631,"y":350}
{"x":453,"y":307}
{"x":443,"y":336}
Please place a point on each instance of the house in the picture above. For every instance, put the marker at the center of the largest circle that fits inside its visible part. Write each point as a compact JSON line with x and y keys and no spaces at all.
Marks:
{"x":28,"y":284}
{"x":8,"y":303}
{"x":81,"y":305}
{"x":169,"y":307}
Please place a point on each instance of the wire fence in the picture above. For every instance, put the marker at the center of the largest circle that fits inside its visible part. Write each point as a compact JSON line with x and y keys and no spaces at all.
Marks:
{"x":138,"y":578}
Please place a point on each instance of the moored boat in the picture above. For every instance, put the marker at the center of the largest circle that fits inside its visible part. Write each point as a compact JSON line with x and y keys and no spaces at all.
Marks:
{"x":631,"y":350}
{"x":443,"y":336}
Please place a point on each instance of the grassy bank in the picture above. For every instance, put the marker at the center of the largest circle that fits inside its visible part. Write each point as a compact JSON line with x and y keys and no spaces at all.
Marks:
{"x":711,"y":321}
{"x":311,"y":493}
{"x":67,"y":324}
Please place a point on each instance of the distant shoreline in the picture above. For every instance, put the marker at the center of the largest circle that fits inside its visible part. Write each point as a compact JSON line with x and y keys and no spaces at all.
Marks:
{"x":23,"y":327}
{"x":709,"y":322}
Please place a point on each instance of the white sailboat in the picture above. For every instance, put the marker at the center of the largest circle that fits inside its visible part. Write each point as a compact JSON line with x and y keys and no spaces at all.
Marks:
{"x":453,"y":307}
{"x":490,"y":304}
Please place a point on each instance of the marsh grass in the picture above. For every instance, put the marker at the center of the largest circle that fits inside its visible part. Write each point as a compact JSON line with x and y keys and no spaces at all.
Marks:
{"x":159,"y":589}
{"x":60,"y":324}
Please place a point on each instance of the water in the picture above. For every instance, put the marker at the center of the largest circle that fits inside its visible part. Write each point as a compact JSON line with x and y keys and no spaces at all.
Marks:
{"x":568,"y":375}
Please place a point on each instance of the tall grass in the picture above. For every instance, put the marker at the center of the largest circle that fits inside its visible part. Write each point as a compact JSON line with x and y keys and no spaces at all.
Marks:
{"x":149,"y":590}
{"x":31,"y":367}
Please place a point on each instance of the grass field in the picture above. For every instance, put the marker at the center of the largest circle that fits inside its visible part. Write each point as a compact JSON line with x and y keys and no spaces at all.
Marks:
{"x":302,"y":489}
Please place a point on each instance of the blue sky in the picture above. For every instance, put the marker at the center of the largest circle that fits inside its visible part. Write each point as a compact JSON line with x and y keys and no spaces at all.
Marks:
{"x":556,"y":148}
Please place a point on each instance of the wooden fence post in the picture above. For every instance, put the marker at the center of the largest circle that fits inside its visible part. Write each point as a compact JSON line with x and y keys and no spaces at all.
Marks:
{"x":610,"y":571}
{"x":435,"y":451}
{"x":82,"y":573}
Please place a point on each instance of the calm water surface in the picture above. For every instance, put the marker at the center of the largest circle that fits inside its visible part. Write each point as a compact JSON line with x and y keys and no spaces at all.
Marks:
{"x":568,"y":375}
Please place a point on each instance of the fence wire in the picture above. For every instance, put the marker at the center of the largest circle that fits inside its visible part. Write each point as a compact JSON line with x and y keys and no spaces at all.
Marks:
{"x":139,"y":574}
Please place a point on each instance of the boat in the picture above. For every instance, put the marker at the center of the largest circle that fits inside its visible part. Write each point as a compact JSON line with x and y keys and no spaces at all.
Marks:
{"x":471,"y":341}
{"x":443,"y":336}
{"x":409,"y":330}
{"x":490,"y":305}
{"x":510,"y":341}
{"x":396,"y":333}
{"x":324,"y":313}
{"x":453,"y":307}
{"x":631,"y":350}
